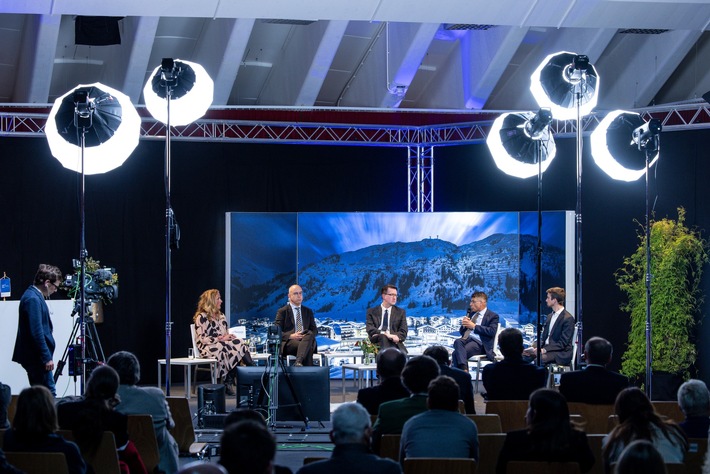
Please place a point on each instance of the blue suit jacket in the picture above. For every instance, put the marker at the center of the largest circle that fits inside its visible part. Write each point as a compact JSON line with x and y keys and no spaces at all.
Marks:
{"x":486,"y":331}
{"x":34,"y":344}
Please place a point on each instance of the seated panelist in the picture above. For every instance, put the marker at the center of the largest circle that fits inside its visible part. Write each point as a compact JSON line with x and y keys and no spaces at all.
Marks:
{"x":298,"y":328}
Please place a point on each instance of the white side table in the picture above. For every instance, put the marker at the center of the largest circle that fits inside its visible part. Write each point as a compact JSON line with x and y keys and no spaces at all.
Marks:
{"x":187,"y":365}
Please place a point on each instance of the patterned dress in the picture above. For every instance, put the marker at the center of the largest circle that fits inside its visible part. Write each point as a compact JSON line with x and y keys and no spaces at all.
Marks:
{"x":227,"y":353}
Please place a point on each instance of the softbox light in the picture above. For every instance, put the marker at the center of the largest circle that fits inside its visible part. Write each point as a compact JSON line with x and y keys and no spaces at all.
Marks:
{"x":614,"y":150}
{"x":514,"y":151}
{"x":109,"y":140}
{"x":557,"y":81}
{"x":191,"y":89}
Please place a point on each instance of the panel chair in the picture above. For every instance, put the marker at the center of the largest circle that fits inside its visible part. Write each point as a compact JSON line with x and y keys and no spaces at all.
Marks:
{"x":39,"y":463}
{"x":447,"y":465}
{"x":542,"y":467}
{"x":184,"y":431}
{"x":142,"y":433}
{"x":200,"y":367}
{"x":489,"y":423}
{"x":511,"y":413}
{"x":480,"y":361}
{"x":556,"y":369}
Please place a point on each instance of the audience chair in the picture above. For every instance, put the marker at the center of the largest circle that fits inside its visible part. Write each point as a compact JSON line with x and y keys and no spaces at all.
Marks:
{"x":612,"y":422}
{"x":373,"y":419}
{"x":184,"y":431}
{"x":2,"y":437}
{"x":447,"y":465}
{"x":105,"y":459}
{"x":595,"y":416}
{"x":12,"y":408}
{"x":489,"y":446}
{"x":486,"y":423}
{"x":556,"y":369}
{"x":389,"y":446}
{"x":595,"y":444}
{"x":511,"y":413}
{"x":670,"y":410}
{"x":39,"y":463}
{"x":695,"y":457}
{"x":537,"y":467}
{"x":142,"y":433}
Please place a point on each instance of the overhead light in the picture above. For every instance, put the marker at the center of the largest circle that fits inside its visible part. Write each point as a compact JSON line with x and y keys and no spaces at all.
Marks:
{"x":561,"y":81}
{"x":110,"y":138}
{"x":614,"y":148}
{"x":191,"y":87}
{"x":518,"y":141}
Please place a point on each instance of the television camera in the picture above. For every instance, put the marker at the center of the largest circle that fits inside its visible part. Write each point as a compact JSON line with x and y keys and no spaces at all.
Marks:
{"x":100,"y":284}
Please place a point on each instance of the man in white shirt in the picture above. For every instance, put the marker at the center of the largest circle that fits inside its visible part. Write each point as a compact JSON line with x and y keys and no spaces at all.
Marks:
{"x":556,"y":347}
{"x":386,"y":324}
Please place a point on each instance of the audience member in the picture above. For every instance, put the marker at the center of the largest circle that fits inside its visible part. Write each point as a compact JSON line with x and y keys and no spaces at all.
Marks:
{"x":243,"y":414}
{"x":214,"y":340}
{"x":248,"y":447}
{"x":556,"y":345}
{"x":512,"y":378}
{"x":386,"y":323}
{"x":461,"y":377}
{"x":549,"y":436}
{"x":694,"y":402}
{"x":478,"y":331}
{"x":351,"y":436}
{"x":640,"y":457}
{"x":34,"y":429}
{"x":5,"y":397}
{"x":298,"y":328}
{"x":390,"y":363}
{"x":441,"y":431}
{"x":594,"y":384}
{"x":638,"y":420}
{"x":89,"y":416}
{"x":416,"y":375}
{"x":146,"y":401}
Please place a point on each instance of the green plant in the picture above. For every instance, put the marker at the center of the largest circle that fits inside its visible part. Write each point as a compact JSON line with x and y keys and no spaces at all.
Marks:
{"x":677,"y":258}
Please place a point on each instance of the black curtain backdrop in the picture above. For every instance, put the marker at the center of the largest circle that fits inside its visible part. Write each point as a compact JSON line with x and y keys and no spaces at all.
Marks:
{"x":125,"y":209}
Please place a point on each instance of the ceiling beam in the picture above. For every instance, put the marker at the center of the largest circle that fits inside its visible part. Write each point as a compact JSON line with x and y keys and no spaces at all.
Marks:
{"x":39,"y":45}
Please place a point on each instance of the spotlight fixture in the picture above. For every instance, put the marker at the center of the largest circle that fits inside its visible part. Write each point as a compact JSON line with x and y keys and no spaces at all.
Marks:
{"x":617,"y":144}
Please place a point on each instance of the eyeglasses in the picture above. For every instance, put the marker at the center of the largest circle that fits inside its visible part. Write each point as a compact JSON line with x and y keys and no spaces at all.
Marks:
{"x":54,"y":285}
{"x":391,"y":294}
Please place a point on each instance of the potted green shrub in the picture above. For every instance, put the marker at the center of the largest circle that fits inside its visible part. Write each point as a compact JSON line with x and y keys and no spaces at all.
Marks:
{"x":678,"y":255}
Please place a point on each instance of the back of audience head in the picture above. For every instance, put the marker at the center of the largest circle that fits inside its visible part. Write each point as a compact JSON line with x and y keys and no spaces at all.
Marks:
{"x":510,"y":341}
{"x":244,"y":414}
{"x":103,"y":385}
{"x":443,"y":394}
{"x":351,"y":424}
{"x":418,"y":372}
{"x":598,"y":351}
{"x":247,"y":447}
{"x":694,"y":398}
{"x":390,"y":363}
{"x":640,"y":456}
{"x":438,"y":353}
{"x":35,"y":415}
{"x":127,"y":366}
{"x":634,"y":406}
{"x":547,"y":411}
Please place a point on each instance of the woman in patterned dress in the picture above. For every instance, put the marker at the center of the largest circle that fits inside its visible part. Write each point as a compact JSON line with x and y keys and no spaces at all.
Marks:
{"x":214,"y":340}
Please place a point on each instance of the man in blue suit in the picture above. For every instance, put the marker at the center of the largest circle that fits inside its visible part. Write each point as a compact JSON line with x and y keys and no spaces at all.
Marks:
{"x":478,"y":332}
{"x":34,"y":344}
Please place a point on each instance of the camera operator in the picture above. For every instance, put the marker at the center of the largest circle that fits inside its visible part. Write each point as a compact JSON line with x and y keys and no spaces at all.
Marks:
{"x":34,"y":345}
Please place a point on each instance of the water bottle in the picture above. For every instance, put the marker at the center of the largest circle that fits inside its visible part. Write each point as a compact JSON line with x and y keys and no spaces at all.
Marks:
{"x":252,"y":346}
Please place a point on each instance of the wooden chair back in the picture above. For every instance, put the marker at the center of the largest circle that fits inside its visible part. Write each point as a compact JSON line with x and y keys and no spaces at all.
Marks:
{"x":670,"y":410}
{"x":596,"y":417}
{"x":142,"y":433}
{"x":511,"y":413}
{"x":595,"y":444}
{"x":12,"y":408}
{"x":542,"y":467}
{"x":184,"y":431}
{"x":389,"y":446}
{"x":612,"y":422}
{"x":105,"y":459}
{"x":489,"y":423}
{"x":39,"y":463}
{"x":489,"y":446}
{"x":447,"y":465}
{"x":695,"y":457}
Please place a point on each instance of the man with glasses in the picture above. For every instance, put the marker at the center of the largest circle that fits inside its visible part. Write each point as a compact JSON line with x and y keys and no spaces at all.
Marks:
{"x":478,"y":331}
{"x":34,"y":345}
{"x":386,"y":324}
{"x":298,"y":328}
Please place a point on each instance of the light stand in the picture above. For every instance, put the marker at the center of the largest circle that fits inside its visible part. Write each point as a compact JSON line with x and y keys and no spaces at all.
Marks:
{"x":191,"y":88}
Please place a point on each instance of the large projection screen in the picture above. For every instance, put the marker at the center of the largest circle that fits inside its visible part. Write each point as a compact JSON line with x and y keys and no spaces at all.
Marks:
{"x":437,"y":260}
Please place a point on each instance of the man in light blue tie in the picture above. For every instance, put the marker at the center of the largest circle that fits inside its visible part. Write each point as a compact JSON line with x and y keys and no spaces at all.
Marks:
{"x":478,"y":331}
{"x":298,"y":328}
{"x":386,"y":324}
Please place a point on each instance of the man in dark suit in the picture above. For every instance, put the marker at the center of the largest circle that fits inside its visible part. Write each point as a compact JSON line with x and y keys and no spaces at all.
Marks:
{"x":390,"y":363}
{"x":34,"y":344}
{"x":512,"y":378}
{"x":556,"y":346}
{"x":594,"y":384}
{"x":298,"y":328}
{"x":478,"y":331}
{"x":386,"y":324}
{"x":416,"y":375}
{"x":461,"y":377}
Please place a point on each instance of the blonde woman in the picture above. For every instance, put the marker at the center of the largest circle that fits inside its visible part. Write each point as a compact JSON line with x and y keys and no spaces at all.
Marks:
{"x":214,"y":340}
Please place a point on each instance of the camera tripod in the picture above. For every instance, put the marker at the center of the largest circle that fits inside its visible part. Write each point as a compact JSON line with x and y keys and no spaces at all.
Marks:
{"x":93,"y":352}
{"x":272,"y":372}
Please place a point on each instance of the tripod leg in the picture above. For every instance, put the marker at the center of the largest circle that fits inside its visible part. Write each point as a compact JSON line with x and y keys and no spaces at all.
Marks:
{"x":63,"y":361}
{"x":287,"y":377}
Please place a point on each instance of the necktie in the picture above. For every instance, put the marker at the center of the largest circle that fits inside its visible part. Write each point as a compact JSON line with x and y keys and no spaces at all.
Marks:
{"x":299,"y":321}
{"x":386,"y":321}
{"x":467,"y":332}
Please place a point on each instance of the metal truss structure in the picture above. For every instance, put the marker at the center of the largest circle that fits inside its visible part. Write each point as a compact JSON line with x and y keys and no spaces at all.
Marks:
{"x":420,"y":140}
